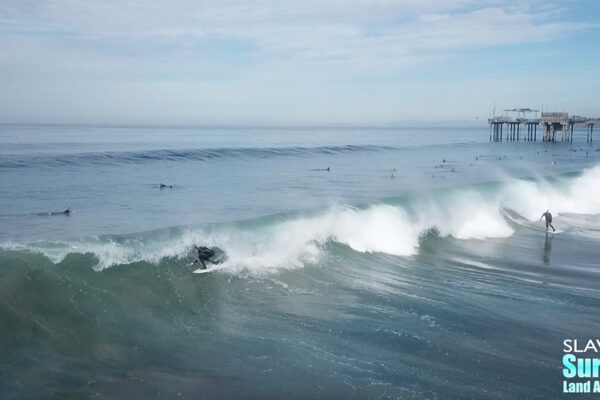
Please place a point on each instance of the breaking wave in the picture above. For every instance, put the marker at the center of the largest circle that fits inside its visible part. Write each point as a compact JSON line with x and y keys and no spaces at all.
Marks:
{"x":394,"y":227}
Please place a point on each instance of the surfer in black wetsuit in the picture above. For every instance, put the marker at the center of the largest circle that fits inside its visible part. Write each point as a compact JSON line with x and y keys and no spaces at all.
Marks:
{"x":204,"y":254}
{"x":548,"y":217}
{"x":68,"y":211}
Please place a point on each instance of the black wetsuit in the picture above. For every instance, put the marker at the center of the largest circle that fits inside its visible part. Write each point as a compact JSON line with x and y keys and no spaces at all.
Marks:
{"x":548,"y":217}
{"x":204,"y":254}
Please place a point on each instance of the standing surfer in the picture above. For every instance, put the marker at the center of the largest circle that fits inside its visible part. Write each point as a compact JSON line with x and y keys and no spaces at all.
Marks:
{"x":548,"y":217}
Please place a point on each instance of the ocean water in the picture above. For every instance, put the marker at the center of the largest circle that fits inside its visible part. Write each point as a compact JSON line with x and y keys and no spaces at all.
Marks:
{"x":402,"y":263}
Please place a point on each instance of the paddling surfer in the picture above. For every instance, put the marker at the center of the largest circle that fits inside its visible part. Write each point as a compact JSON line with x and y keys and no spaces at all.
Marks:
{"x":68,"y":211}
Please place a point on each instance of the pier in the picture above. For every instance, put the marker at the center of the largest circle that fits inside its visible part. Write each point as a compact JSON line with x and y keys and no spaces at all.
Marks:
{"x":508,"y":127}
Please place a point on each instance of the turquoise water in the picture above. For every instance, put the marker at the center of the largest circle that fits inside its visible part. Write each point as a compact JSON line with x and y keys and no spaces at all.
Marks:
{"x":414,"y":267}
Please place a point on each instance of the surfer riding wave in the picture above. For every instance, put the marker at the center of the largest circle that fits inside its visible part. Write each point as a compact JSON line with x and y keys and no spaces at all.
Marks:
{"x":548,"y":217}
{"x":205,"y":254}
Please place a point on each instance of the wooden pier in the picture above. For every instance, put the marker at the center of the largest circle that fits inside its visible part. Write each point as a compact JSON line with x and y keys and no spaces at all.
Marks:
{"x":551,"y":123}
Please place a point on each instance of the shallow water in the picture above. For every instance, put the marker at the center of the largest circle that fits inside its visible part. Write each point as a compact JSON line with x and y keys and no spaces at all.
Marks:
{"x":416,"y":267}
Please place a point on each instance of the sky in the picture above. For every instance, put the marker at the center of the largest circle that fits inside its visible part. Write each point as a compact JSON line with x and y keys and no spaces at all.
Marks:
{"x":310,"y":62}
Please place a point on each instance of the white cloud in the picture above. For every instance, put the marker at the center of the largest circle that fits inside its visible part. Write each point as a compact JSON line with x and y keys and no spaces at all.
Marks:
{"x":264,"y":51}
{"x":331,"y":29}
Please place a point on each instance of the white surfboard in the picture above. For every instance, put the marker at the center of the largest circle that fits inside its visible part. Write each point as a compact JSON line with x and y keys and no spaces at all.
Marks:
{"x":206,"y":270}
{"x":547,"y":231}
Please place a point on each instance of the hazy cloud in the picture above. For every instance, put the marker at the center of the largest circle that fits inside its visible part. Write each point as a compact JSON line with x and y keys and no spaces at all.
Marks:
{"x":237,"y":47}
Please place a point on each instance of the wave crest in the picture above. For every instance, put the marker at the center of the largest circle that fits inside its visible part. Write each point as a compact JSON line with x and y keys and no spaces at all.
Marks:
{"x":139,"y":157}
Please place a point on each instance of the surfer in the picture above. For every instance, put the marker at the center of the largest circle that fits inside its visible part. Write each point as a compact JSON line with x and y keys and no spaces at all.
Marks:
{"x":163,"y":186}
{"x":548,"y":217}
{"x":204,"y":254}
{"x":68,"y":211}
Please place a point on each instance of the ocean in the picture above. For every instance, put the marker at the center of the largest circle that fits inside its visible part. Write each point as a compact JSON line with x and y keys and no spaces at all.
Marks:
{"x":388,"y":263}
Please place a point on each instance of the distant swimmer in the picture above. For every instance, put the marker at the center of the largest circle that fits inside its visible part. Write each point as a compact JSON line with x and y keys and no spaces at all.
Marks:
{"x":68,"y":211}
{"x":204,"y":254}
{"x":548,"y":217}
{"x":163,"y":186}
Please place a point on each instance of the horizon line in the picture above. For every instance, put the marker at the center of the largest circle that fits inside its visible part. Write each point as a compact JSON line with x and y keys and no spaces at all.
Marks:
{"x":407,"y":124}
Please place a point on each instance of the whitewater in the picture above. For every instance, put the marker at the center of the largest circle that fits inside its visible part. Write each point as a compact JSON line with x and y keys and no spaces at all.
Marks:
{"x":361,"y":263}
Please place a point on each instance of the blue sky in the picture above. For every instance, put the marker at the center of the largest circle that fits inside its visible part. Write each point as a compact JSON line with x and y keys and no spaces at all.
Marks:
{"x":274,"y":62}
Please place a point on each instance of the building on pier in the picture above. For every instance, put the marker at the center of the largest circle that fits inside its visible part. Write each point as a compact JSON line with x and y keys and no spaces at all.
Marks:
{"x":551,"y":124}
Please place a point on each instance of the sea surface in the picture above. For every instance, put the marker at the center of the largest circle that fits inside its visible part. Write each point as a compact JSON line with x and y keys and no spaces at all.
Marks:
{"x":388,"y":263}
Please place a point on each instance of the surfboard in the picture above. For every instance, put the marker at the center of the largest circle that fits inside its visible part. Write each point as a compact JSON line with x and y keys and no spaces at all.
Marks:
{"x":543,"y":229}
{"x":206,"y":270}
{"x":547,"y":231}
